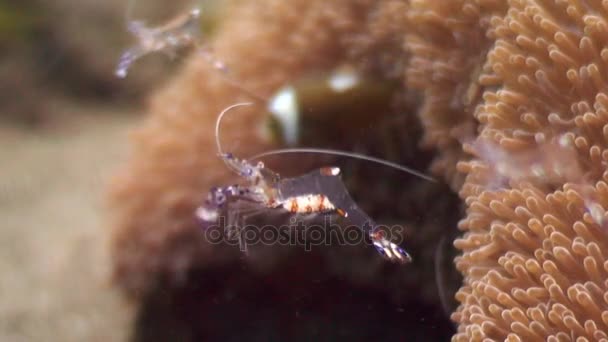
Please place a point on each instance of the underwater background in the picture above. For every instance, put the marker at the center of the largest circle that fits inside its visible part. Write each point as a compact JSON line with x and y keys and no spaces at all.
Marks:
{"x":111,"y":163}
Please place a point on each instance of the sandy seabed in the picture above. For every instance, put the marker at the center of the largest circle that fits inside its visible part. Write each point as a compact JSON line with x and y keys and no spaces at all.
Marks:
{"x":54,"y":264}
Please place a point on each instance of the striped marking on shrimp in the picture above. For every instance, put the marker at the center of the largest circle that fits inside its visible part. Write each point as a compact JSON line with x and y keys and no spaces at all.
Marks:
{"x":308,"y":204}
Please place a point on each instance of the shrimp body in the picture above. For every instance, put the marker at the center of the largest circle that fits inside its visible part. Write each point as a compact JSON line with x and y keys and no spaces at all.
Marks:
{"x":327,"y":182}
{"x":307,"y":204}
{"x":318,"y":192}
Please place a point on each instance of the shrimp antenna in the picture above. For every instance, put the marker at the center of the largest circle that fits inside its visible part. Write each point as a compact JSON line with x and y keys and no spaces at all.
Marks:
{"x":219,"y":121}
{"x":233,"y":83}
{"x":346,"y":154}
{"x":439,"y":276}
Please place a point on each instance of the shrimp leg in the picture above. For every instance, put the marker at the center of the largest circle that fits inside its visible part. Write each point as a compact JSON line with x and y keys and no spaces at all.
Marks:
{"x":240,"y":210}
{"x":128,"y":58}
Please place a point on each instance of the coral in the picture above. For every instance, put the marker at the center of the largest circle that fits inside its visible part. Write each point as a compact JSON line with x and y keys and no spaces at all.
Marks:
{"x":533,"y":253}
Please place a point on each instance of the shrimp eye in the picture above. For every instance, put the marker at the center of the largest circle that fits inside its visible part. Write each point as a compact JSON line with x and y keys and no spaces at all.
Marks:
{"x":248,"y":172}
{"x":220,"y":198}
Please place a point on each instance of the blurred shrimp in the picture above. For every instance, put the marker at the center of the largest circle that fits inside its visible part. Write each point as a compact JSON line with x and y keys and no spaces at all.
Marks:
{"x":180,"y":32}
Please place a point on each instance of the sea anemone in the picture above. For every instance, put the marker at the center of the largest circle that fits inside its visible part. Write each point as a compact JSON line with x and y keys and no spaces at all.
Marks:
{"x":448,"y":42}
{"x":532,"y":258}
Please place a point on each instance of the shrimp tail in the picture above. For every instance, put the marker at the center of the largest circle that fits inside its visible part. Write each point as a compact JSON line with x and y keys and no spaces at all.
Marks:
{"x":389,"y":250}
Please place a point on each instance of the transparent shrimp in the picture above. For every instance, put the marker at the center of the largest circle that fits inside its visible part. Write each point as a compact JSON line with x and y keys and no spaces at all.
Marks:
{"x":180,"y":32}
{"x":321,"y":191}
{"x":554,"y":162}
